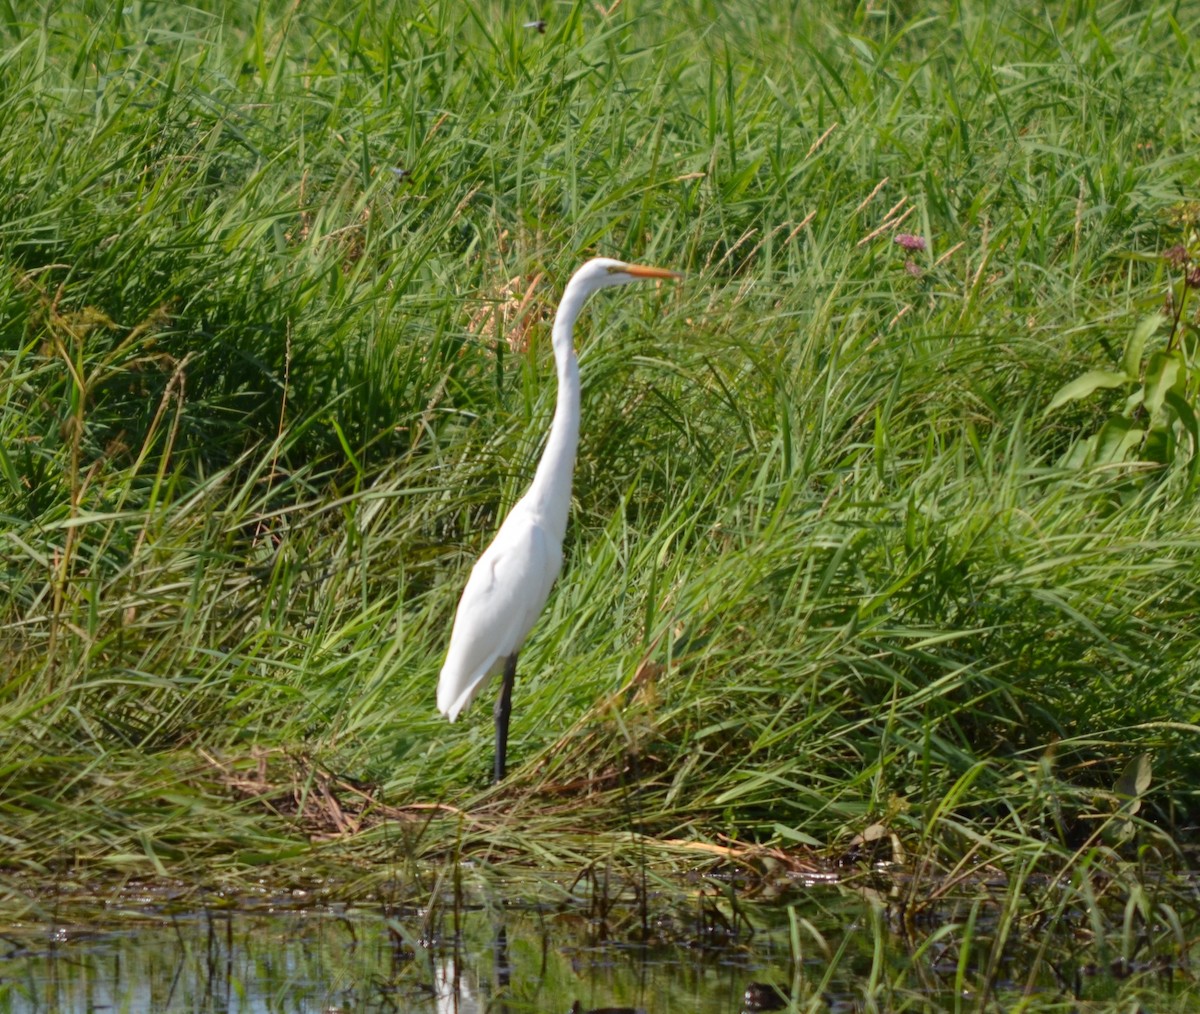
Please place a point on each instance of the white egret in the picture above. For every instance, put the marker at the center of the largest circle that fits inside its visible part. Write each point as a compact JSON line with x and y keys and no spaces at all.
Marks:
{"x":511,"y":581}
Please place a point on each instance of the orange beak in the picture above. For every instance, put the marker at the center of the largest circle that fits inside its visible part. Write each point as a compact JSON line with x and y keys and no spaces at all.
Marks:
{"x":641,"y":271}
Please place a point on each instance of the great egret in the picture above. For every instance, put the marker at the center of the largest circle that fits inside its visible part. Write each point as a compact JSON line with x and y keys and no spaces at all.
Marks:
{"x":511,"y":581}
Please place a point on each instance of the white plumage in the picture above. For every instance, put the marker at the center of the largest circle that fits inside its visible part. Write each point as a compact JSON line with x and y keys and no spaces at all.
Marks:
{"x":504,"y":596}
{"x":511,"y":581}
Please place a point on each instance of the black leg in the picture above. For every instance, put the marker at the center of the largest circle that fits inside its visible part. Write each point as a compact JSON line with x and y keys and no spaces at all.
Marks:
{"x":502,"y":712}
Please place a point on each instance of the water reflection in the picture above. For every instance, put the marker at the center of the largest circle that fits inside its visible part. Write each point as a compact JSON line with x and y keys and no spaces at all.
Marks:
{"x":811,"y":948}
{"x":346,"y":959}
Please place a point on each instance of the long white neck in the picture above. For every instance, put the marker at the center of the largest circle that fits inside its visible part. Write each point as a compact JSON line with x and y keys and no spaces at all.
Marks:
{"x":550,"y":493}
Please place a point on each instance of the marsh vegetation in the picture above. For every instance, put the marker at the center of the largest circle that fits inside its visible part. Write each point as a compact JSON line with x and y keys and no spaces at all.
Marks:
{"x":885,"y":534}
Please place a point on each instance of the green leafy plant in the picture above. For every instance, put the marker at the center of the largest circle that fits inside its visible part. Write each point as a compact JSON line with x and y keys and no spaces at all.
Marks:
{"x":1157,"y":420}
{"x":275,"y":305}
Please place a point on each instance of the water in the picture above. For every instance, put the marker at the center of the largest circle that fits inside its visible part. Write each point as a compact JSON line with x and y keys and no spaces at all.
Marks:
{"x":701,"y":949}
{"x":346,"y":959}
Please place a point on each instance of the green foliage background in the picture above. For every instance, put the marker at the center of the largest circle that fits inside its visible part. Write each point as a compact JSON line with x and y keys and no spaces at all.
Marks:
{"x":265,"y":391}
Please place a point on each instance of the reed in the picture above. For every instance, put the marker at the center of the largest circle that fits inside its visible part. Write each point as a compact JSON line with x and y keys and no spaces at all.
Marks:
{"x":275,"y":361}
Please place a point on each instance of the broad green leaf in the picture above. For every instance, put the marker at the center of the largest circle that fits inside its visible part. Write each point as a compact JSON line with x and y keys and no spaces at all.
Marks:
{"x":791,"y":834}
{"x":1162,"y":373}
{"x":1079,"y":453}
{"x":1187,"y":415}
{"x":1159,"y":446}
{"x":1124,"y":830}
{"x":1187,"y":418}
{"x":1115,"y":439}
{"x":1133,"y":783}
{"x":1084,"y":385}
{"x":1132,"y":360}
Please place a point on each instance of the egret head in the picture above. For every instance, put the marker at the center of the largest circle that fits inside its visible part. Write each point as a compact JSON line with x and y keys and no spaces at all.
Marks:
{"x":602,"y":272}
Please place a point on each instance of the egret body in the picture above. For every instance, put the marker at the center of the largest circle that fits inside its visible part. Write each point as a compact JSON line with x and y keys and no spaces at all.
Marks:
{"x":511,"y":581}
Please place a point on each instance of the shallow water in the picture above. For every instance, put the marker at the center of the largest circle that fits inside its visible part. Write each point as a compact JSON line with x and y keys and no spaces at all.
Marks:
{"x":346,"y":959}
{"x":702,"y":950}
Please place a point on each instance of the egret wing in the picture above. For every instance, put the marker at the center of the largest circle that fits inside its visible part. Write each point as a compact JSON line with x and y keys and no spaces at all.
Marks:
{"x":505,"y":593}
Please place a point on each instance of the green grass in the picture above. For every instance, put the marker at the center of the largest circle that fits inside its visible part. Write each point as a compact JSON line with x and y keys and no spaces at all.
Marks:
{"x":830,"y":563}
